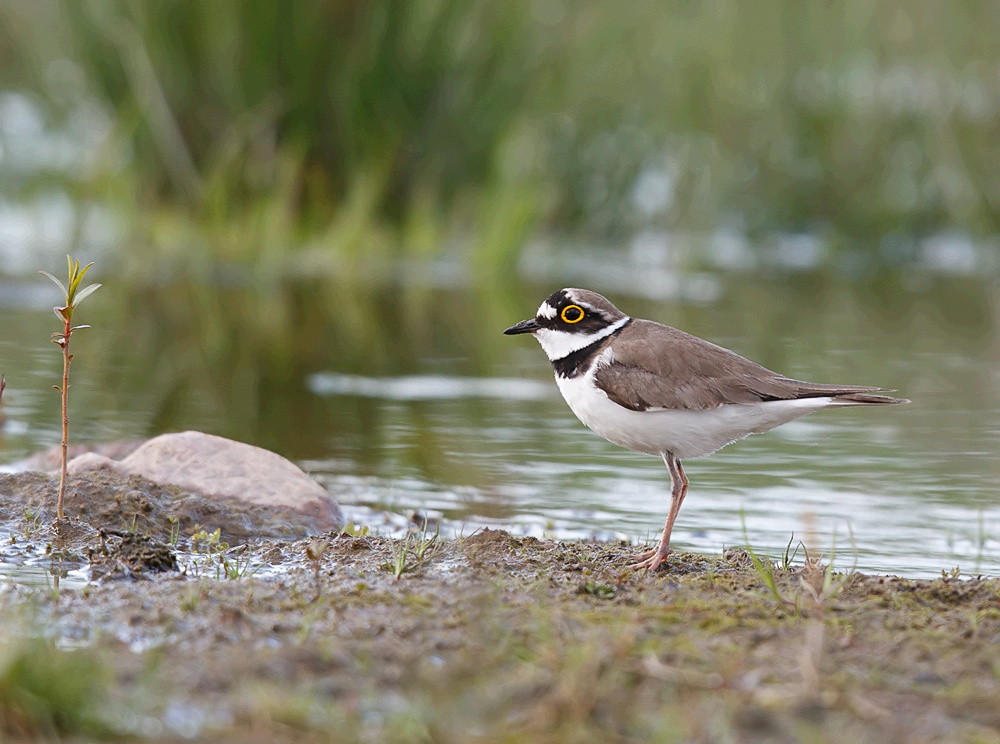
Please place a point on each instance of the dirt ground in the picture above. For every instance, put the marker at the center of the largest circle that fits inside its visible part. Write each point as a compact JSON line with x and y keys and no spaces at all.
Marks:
{"x":487,"y":638}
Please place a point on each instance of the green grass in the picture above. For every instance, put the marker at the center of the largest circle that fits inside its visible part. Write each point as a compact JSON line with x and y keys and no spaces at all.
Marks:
{"x":412,"y":552}
{"x":50,"y":694}
{"x":374,"y":129}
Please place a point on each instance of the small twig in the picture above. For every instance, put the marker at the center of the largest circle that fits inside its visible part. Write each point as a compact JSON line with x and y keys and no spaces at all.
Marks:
{"x":3,"y":384}
{"x":73,"y":296}
{"x":314,"y":552}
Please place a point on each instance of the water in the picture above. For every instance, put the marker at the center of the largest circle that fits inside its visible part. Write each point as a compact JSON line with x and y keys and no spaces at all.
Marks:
{"x":27,"y":561}
{"x":405,"y":399}
{"x":849,"y":481}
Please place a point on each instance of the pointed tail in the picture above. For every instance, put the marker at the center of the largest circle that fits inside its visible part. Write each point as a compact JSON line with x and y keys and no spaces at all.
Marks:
{"x":866,"y":399}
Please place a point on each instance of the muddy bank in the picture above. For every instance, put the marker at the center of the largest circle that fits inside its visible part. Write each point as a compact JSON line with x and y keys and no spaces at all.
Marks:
{"x":495,"y":638}
{"x":108,"y":500}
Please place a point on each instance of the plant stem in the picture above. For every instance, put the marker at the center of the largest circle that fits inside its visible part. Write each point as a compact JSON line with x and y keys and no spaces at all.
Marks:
{"x":65,"y":417}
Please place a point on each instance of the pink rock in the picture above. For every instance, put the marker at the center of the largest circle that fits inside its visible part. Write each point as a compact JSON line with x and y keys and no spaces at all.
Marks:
{"x":222,"y":468}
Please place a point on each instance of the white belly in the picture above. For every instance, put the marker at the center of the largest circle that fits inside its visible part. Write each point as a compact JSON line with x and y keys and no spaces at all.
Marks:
{"x":684,"y":433}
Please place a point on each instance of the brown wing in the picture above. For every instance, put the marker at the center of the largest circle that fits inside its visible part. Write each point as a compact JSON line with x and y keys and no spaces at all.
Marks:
{"x":656,"y":366}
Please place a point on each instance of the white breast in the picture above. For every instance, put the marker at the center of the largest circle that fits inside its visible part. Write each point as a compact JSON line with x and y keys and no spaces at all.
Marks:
{"x":685,"y":433}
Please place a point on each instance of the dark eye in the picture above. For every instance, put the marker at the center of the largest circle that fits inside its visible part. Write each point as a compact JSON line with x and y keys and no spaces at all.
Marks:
{"x":572,"y":314}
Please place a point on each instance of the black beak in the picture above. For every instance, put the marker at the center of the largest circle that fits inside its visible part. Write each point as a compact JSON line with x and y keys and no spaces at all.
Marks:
{"x":525,"y":326}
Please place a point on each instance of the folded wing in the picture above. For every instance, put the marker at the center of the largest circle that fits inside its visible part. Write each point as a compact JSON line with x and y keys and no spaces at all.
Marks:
{"x":696,"y":374}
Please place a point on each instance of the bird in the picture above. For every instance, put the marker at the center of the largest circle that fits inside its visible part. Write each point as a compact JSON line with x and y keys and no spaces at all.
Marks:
{"x":660,"y":391}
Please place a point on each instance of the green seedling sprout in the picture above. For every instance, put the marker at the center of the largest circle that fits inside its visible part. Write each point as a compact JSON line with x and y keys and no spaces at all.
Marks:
{"x":73,"y":296}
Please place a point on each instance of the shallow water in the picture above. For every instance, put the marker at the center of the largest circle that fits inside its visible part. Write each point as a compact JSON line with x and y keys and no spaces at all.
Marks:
{"x":852,"y":482}
{"x":410,"y":400}
{"x":26,"y":560}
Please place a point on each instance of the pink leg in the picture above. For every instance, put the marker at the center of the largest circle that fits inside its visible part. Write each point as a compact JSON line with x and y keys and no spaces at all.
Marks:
{"x":678,"y":490}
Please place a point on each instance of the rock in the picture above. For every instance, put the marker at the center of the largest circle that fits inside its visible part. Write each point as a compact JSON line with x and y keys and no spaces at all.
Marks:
{"x":223,"y":469}
{"x":49,"y":459}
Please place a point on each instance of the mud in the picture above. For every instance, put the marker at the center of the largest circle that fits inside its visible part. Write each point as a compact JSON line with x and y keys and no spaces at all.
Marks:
{"x":130,"y":555}
{"x":490,"y":637}
{"x":113,"y":501}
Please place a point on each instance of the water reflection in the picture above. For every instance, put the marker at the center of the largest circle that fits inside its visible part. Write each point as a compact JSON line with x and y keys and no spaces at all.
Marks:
{"x":408,"y":398}
{"x":426,"y":387}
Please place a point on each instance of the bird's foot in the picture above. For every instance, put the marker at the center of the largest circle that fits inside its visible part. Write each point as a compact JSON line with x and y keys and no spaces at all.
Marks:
{"x":650,"y":560}
{"x":643,"y":556}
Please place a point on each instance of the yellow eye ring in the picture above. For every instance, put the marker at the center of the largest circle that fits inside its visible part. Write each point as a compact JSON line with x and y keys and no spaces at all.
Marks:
{"x":572,"y":314}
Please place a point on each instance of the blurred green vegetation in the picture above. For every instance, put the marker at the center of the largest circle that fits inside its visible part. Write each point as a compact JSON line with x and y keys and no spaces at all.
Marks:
{"x":50,"y":694}
{"x":381,"y":128}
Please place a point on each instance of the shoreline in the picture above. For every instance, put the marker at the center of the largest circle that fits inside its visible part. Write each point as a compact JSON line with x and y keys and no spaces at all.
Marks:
{"x":498,"y":638}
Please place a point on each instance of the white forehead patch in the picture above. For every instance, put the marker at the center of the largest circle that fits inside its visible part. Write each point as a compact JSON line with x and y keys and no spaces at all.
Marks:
{"x":545,"y":310}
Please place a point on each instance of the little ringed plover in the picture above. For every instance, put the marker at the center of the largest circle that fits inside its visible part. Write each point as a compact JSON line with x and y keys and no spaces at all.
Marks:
{"x":658,"y":390}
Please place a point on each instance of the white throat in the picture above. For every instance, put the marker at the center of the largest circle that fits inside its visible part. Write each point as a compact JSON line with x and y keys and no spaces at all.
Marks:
{"x":558,"y":344}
